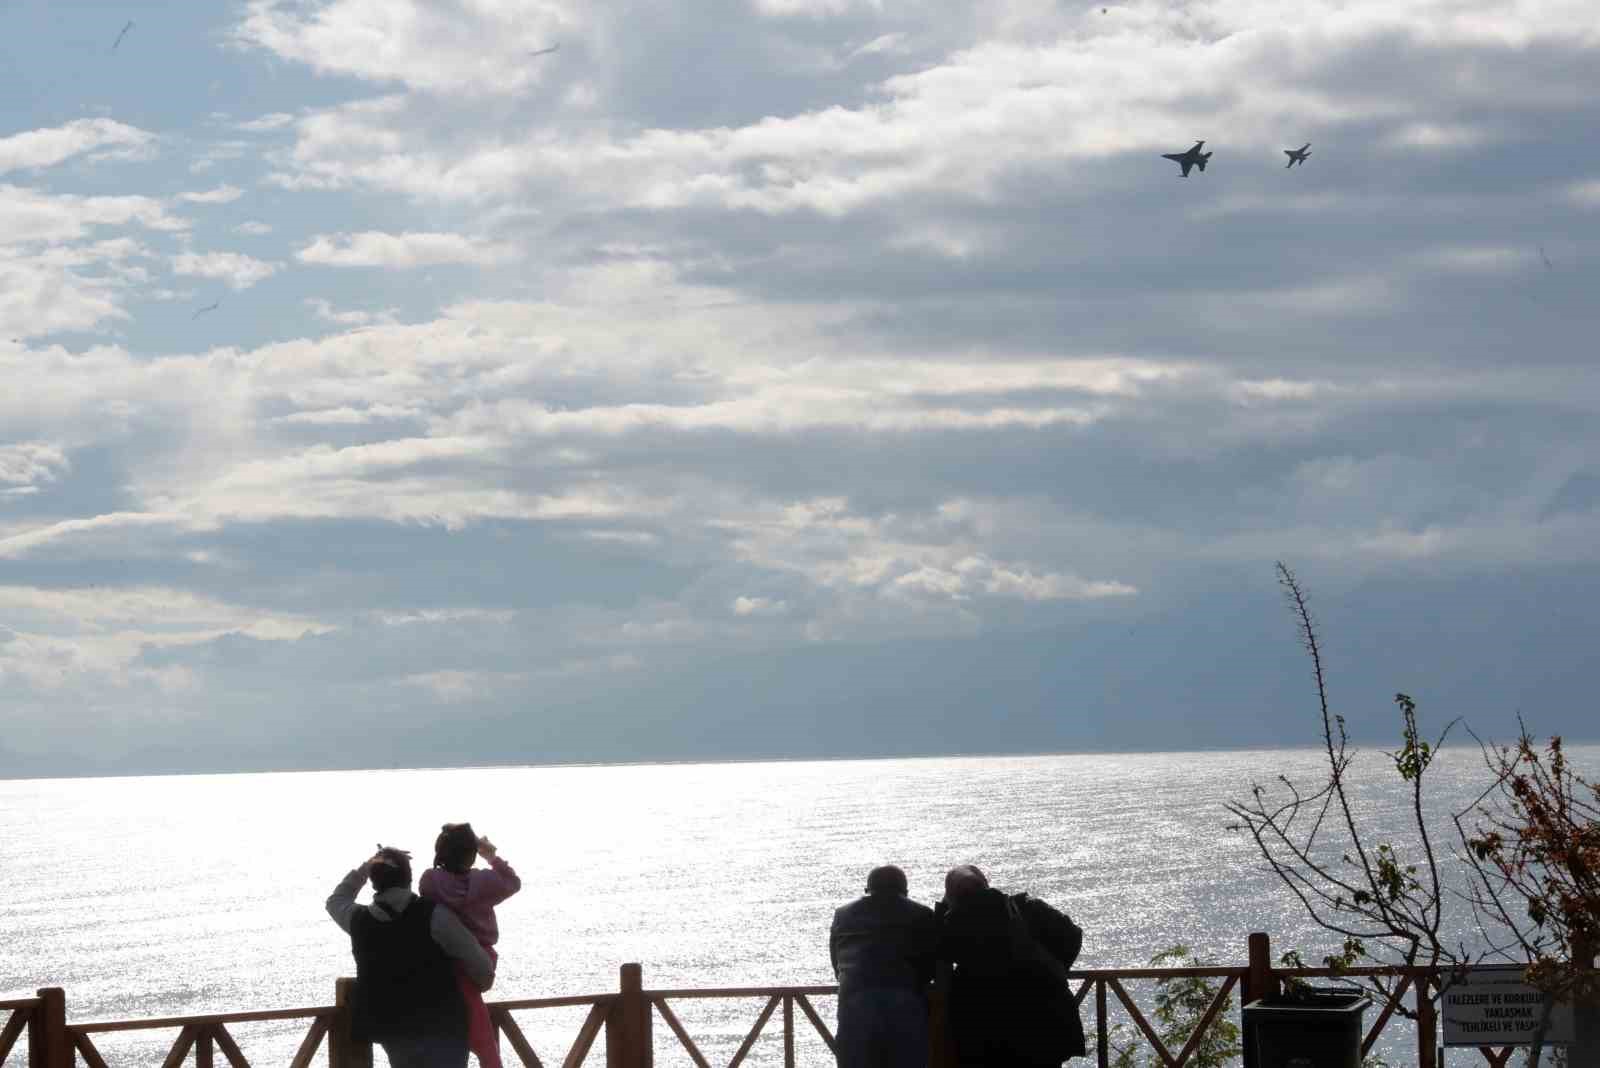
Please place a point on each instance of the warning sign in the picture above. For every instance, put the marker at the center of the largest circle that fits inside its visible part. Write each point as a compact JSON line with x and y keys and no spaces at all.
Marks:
{"x":1493,"y":1006}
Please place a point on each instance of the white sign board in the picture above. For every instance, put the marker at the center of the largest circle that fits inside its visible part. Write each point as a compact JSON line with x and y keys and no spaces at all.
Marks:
{"x":1493,"y":1006}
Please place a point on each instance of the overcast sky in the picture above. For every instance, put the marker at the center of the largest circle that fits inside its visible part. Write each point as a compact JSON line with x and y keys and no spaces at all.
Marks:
{"x":787,"y":377}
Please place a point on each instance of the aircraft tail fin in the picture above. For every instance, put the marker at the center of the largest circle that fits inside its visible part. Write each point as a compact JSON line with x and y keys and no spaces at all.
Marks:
{"x":1204,"y":156}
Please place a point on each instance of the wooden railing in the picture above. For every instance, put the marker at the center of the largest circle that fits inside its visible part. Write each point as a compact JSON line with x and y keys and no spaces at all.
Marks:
{"x":22,"y":1015}
{"x":627,"y":1015}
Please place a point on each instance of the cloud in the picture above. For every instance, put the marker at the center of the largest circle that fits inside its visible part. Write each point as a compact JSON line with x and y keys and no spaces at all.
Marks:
{"x":239,"y":271}
{"x":759,"y":606}
{"x":353,"y":317}
{"x":54,"y":288}
{"x":888,"y":329}
{"x":442,"y":46}
{"x":25,"y":465}
{"x":29,"y":215}
{"x":223,"y":194}
{"x":20,"y":544}
{"x":37,"y":149}
{"x":375,"y":249}
{"x":274,"y":121}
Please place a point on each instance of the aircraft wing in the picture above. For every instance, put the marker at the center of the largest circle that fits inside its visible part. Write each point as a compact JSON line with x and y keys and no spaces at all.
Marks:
{"x":1186,"y":164}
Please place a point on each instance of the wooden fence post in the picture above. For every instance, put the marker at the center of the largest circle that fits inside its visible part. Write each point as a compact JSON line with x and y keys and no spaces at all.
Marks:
{"x":1585,"y":1050}
{"x":1259,"y":982}
{"x":628,"y":1037}
{"x":48,"y":1044}
{"x":1427,"y":1024}
{"x":343,"y":1049}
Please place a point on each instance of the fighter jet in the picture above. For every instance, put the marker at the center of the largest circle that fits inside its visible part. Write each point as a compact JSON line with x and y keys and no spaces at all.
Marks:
{"x":1192,"y":158}
{"x":1297,"y":155}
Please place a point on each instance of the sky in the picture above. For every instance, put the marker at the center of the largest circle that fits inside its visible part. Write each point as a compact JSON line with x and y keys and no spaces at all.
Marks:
{"x":747,"y":378}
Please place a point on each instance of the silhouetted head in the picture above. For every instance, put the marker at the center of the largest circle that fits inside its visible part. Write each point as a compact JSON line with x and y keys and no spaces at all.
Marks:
{"x":963,"y":881}
{"x":455,"y":848}
{"x":391,"y":867}
{"x":887,"y":881}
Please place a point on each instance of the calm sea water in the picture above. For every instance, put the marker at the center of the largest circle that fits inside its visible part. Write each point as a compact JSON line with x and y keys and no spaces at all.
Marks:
{"x":157,"y":896}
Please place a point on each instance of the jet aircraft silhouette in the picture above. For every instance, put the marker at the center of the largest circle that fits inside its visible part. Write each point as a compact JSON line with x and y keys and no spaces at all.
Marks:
{"x":1192,"y":158}
{"x":1297,"y":155}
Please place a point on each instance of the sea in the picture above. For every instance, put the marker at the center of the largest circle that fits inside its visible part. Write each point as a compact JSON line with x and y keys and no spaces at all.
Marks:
{"x":183,"y":894}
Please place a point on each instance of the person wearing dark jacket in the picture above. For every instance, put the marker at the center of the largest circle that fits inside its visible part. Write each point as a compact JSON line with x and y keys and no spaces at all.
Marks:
{"x":406,"y":997}
{"x":883,"y":946}
{"x":1011,"y":1004}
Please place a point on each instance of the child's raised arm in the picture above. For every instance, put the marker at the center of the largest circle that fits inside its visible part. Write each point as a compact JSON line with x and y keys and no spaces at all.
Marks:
{"x":498,"y":882}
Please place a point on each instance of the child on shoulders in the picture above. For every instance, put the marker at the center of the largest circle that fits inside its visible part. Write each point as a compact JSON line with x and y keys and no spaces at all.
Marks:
{"x":471,"y":893}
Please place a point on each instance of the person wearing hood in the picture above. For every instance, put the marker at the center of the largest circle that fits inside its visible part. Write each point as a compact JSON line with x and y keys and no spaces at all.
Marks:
{"x":1011,"y":1004}
{"x":472,"y":894}
{"x":407,"y":950}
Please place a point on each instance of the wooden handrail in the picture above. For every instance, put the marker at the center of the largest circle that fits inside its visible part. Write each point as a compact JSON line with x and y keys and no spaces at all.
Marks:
{"x":625,"y":1016}
{"x":201,"y":1019}
{"x":742,"y":992}
{"x":516,"y":1005}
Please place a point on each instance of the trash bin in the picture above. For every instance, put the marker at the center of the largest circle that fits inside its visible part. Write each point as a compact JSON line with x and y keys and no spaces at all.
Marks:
{"x":1311,"y":1028}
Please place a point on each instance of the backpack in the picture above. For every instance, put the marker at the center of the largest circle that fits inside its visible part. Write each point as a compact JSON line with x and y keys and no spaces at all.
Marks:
{"x":1027,"y":955}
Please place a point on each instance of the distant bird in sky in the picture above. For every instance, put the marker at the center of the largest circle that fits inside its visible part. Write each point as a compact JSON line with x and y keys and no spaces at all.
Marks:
{"x":121,"y":35}
{"x":1192,"y":158}
{"x":1548,"y":265}
{"x":1297,"y":155}
{"x":546,"y":51}
{"x":202,"y":311}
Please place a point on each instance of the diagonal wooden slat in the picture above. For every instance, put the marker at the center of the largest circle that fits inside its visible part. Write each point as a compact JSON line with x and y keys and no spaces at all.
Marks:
{"x":1083,"y":991}
{"x":13,"y":1028}
{"x":309,"y":1044}
{"x":86,"y":1050}
{"x":591,"y":1027}
{"x":519,"y":1041}
{"x":1144,"y":1025}
{"x":755,"y":1032}
{"x":180,"y":1048}
{"x":1383,"y":1017}
{"x":816,"y":1021}
{"x":1204,"y":1025}
{"x":1496,"y":1060}
{"x":230,"y":1048}
{"x":683,"y":1036}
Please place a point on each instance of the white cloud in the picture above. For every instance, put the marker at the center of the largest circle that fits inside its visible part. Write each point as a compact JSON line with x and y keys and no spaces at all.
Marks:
{"x":274,"y":121}
{"x":239,"y":271}
{"x":253,"y":228}
{"x":27,"y":464}
{"x":352,"y":317}
{"x":61,"y":287}
{"x":21,"y":544}
{"x":760,"y":607}
{"x":375,"y":249}
{"x":222,"y":194}
{"x":29,"y":215}
{"x":443,"y":46}
{"x":37,"y":149}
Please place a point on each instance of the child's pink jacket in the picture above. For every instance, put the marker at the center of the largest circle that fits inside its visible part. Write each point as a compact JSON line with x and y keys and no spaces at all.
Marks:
{"x":473,"y":896}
